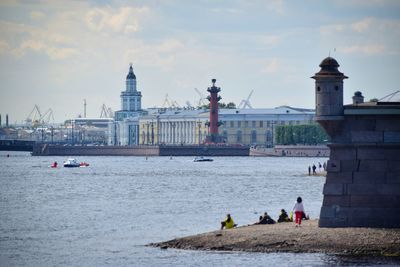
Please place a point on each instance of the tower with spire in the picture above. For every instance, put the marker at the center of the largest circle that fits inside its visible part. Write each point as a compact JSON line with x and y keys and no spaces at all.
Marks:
{"x":125,"y":128}
{"x":131,"y":98}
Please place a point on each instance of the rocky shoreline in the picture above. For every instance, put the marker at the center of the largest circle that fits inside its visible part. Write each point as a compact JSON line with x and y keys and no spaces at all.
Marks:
{"x":285,"y":237}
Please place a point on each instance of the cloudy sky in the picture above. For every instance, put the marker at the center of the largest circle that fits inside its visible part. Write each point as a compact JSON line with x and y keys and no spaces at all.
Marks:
{"x":56,"y":53}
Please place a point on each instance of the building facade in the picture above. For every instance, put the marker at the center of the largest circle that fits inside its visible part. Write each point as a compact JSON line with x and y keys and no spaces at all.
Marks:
{"x":134,"y":126}
{"x":124,"y":130}
{"x":239,"y":126}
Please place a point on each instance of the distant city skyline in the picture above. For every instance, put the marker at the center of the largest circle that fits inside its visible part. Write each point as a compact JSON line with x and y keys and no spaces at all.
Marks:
{"x":57,"y":53}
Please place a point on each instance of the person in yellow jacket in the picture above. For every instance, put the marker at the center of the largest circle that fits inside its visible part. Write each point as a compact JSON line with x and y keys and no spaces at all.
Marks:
{"x":228,"y":222}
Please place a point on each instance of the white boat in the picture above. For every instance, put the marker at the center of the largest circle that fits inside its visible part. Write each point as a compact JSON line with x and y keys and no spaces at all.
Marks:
{"x":71,"y":163}
{"x":201,"y":159}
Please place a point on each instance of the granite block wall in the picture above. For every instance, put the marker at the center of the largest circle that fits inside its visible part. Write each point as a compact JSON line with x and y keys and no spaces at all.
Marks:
{"x":362,"y":186}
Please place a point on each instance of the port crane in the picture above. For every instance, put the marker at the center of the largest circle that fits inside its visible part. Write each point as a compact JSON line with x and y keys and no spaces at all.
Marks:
{"x":168,"y":103}
{"x":106,"y":112}
{"x":36,"y":117}
{"x":202,"y":100}
{"x":393,"y":97}
{"x":246,"y":102}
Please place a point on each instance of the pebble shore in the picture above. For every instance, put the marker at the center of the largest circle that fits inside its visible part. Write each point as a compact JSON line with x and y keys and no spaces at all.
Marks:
{"x":285,"y":237}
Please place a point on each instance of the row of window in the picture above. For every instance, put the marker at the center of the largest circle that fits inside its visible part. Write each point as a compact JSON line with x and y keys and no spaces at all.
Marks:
{"x":253,"y":136}
{"x":260,"y":124}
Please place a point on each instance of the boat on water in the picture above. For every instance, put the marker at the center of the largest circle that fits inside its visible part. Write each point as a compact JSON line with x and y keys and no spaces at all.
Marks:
{"x":71,"y":163}
{"x":201,"y":159}
{"x":83,"y":164}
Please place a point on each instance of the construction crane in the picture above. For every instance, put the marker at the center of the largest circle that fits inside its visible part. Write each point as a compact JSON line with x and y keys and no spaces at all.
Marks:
{"x":202,"y":101}
{"x":34,"y":117}
{"x":47,"y":116}
{"x":168,"y":103}
{"x":189,"y":105}
{"x":106,"y":112}
{"x":246,"y":102}
{"x":393,"y":97}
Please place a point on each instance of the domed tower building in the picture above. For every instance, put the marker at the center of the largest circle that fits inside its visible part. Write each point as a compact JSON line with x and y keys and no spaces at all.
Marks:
{"x":329,"y":95}
{"x":125,"y":130}
{"x":362,"y":187}
{"x":131,"y":98}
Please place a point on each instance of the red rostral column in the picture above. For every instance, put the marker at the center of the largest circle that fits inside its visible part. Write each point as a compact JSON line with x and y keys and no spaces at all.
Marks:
{"x":213,"y":98}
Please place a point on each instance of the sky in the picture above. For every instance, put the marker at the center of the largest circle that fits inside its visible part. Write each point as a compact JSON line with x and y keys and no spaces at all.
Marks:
{"x":55,"y":53}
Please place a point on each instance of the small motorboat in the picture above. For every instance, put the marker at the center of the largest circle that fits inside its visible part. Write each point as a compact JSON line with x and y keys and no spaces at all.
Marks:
{"x":71,"y":163}
{"x":54,"y":165}
{"x":201,"y":159}
{"x":83,"y":164}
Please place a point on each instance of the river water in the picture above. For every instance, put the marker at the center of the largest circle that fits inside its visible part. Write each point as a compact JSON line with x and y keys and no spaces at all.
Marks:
{"x":106,"y":213}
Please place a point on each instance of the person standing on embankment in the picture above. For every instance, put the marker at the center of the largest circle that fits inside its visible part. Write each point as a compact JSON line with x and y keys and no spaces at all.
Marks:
{"x":298,"y":210}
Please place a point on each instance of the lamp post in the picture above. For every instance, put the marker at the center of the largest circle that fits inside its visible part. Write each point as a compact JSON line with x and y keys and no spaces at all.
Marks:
{"x":158,"y":130}
{"x":72,"y":132}
{"x":272,"y":133}
{"x":147,"y":133}
{"x":52,"y":134}
{"x":199,"y":128}
{"x":152,"y":133}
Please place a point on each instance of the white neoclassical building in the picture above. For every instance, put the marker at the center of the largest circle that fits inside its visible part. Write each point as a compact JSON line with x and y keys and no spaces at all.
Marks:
{"x":239,"y":126}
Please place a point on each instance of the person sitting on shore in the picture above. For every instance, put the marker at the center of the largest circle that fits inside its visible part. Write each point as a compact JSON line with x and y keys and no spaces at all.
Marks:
{"x":283,"y":217}
{"x":228,"y":222}
{"x":266,"y":219}
{"x":305,"y":216}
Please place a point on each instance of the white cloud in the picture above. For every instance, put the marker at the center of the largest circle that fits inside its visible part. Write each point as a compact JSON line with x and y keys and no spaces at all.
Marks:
{"x":369,"y":3}
{"x":4,"y":47}
{"x":55,"y":53}
{"x":368,"y":49}
{"x":362,"y":25}
{"x":124,"y":19}
{"x":37,"y":15}
{"x":269,"y":40}
{"x":271,"y":66}
{"x":277,"y":6}
{"x":161,"y":55}
{"x":331,"y":29}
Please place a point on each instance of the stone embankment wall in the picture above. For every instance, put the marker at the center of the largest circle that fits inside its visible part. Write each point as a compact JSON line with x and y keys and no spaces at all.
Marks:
{"x":291,"y":151}
{"x":363,"y":179}
{"x":206,"y":150}
{"x":52,"y":150}
{"x":49,"y":150}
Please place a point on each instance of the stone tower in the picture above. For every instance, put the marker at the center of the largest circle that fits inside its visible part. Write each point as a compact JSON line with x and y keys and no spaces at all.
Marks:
{"x":329,"y":94}
{"x":362,"y":187}
{"x":131,"y":98}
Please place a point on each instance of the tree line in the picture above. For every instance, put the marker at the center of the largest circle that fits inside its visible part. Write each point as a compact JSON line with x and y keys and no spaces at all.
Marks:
{"x":308,"y":134}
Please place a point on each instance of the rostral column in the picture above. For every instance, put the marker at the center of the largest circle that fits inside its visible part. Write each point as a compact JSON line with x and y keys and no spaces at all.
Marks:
{"x":214,"y":98}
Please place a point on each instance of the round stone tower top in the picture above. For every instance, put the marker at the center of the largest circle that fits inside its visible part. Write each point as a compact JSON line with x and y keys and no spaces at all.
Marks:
{"x":131,"y":75}
{"x":329,"y":67}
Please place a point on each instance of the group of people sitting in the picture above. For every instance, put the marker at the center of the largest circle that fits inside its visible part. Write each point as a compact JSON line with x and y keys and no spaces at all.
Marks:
{"x":266,"y":219}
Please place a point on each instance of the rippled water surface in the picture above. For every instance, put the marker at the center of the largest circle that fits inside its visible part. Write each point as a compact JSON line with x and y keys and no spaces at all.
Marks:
{"x":106,"y":213}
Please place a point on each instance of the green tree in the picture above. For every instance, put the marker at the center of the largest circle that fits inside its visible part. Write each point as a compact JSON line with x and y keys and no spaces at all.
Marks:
{"x":310,"y":134}
{"x":230,"y":105}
